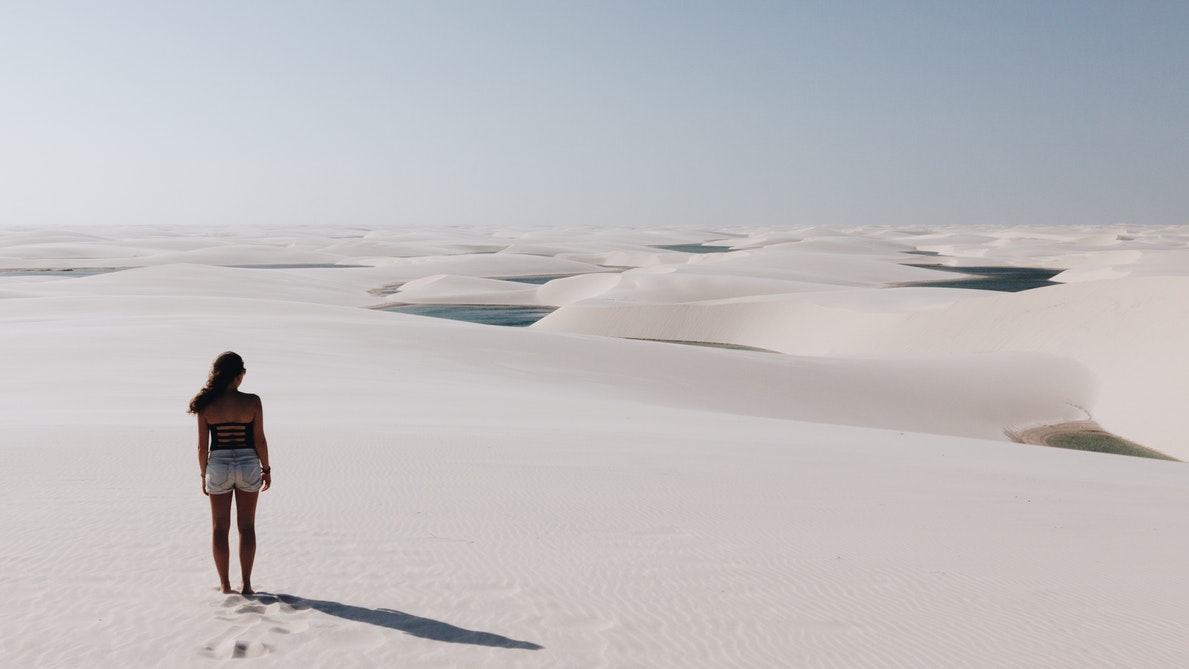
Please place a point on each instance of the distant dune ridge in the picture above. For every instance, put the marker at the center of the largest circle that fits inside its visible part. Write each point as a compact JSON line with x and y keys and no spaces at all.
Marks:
{"x":457,"y":494}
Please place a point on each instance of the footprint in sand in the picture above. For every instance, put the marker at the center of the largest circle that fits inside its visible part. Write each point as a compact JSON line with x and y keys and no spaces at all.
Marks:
{"x":254,"y":628}
{"x":236,"y":649}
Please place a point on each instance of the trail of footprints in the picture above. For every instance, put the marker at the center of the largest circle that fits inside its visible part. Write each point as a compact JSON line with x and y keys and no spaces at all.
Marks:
{"x":255,"y":627}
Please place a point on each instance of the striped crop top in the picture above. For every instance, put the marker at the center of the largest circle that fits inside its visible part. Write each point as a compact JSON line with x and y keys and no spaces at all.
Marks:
{"x":225,"y":436}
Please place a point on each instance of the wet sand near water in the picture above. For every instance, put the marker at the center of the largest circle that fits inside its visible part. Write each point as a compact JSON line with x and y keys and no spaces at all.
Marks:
{"x":1086,"y":436}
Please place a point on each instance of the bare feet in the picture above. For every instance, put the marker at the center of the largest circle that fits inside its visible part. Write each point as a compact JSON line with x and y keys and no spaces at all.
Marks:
{"x":246,"y":589}
{"x":225,"y":588}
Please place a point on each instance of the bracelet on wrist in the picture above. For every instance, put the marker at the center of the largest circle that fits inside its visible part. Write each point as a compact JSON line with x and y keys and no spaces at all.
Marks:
{"x":266,"y":470}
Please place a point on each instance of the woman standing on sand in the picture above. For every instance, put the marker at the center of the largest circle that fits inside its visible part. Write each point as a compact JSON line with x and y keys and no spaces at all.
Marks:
{"x":232,"y":455}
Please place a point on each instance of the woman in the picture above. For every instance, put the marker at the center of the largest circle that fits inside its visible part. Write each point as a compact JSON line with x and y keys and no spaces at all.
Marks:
{"x":232,"y":455}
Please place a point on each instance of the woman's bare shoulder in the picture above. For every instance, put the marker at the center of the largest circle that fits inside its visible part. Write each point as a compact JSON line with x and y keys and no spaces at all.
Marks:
{"x":232,"y":408}
{"x":253,"y":401}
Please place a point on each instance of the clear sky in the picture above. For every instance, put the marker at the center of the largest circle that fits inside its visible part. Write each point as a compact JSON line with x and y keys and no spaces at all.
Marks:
{"x":566,"y":112}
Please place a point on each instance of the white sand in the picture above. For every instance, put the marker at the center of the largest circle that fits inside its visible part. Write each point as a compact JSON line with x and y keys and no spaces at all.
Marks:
{"x":451,"y":494}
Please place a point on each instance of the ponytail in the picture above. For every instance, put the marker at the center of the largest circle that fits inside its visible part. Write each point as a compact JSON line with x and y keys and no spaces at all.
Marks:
{"x":225,"y":369}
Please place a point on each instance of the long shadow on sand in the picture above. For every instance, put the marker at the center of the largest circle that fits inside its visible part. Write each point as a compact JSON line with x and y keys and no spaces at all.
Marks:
{"x":425,"y":628}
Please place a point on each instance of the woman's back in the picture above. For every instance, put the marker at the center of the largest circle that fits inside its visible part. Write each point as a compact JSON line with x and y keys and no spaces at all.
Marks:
{"x":231,"y":419}
{"x":231,"y":406}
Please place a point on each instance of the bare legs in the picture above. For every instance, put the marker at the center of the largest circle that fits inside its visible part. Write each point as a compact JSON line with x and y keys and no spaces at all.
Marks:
{"x":245,"y":520}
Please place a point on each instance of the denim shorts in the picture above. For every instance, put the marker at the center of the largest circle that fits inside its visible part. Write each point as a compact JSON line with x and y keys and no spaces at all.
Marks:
{"x":233,"y":469}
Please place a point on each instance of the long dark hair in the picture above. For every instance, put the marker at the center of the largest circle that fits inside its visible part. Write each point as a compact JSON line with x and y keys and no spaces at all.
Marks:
{"x":226,"y":367}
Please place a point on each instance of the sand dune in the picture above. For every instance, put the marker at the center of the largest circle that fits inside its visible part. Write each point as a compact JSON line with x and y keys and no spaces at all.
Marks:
{"x":454,"y":494}
{"x":1085,"y":322}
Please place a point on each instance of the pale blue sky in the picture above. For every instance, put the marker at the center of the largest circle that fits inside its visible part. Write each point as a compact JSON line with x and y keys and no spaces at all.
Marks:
{"x":604,"y":113}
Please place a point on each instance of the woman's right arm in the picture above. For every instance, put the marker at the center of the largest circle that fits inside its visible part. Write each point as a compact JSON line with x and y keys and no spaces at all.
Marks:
{"x":204,"y":445}
{"x":262,"y":445}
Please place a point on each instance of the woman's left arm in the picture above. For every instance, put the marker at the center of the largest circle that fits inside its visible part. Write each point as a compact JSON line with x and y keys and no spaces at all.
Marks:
{"x":262,"y":445}
{"x":204,"y":446}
